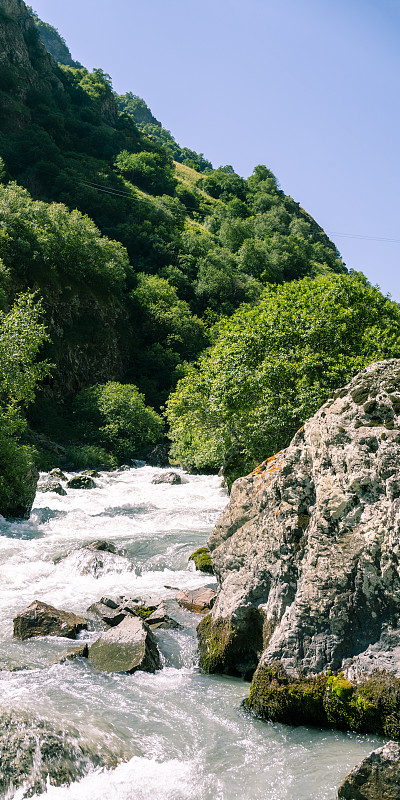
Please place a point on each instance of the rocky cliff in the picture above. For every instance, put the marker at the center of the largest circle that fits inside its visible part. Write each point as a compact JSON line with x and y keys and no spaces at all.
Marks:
{"x":24,"y":65}
{"x":307,"y":554}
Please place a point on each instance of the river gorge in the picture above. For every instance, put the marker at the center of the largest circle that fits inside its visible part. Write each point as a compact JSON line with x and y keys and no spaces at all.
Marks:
{"x":178,"y":734}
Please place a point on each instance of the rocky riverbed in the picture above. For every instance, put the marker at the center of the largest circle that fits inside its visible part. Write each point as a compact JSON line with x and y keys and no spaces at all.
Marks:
{"x":175,"y":734}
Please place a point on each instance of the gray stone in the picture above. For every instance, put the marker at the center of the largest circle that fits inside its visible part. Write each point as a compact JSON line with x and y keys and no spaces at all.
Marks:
{"x":57,"y":473}
{"x":41,"y":619}
{"x":127,"y":648}
{"x":161,"y":619}
{"x":51,"y":485}
{"x":81,"y":482}
{"x":306,"y":553}
{"x":197,"y":600}
{"x":173,"y":478}
{"x":377,"y":777}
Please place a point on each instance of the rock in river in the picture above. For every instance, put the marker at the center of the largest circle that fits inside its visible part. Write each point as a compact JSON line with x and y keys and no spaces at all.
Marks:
{"x":41,"y":619}
{"x":307,"y":558}
{"x":128,"y":647}
{"x":376,"y":777}
{"x":81,"y":482}
{"x":198,"y":600}
{"x":34,"y":753}
{"x":173,"y":478}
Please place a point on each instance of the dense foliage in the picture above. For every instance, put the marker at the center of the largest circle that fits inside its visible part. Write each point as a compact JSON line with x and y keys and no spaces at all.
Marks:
{"x":116,"y":417}
{"x":273,"y":365}
{"x":139,"y":249}
{"x":137,"y":108}
{"x":22,"y":334}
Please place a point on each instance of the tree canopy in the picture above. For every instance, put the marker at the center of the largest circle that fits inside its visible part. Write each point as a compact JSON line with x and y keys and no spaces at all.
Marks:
{"x":273,"y":365}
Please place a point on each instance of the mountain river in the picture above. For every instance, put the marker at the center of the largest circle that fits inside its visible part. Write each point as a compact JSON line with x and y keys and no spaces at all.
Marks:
{"x":178,"y":734}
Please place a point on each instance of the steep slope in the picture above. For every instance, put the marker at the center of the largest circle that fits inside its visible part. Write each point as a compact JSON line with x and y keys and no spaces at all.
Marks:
{"x":53,"y":41}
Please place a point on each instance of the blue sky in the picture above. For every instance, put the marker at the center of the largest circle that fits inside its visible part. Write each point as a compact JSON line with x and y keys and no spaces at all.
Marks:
{"x":309,"y":88}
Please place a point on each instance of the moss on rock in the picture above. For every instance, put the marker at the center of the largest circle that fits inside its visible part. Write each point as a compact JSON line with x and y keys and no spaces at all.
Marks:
{"x":202,"y":560}
{"x":371,"y":706}
{"x":230,"y":650}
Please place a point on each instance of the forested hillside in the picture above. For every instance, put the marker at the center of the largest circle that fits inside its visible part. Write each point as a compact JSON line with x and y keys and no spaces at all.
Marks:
{"x":136,"y":245}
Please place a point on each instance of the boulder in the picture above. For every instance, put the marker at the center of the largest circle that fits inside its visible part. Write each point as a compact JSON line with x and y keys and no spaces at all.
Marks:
{"x":113,"y":610}
{"x":306,"y":553}
{"x":41,"y":619}
{"x":198,"y":600}
{"x":58,"y":473}
{"x":51,"y":485}
{"x":202,"y":560}
{"x":81,"y":482}
{"x":377,"y":777}
{"x":126,"y":648}
{"x":110,"y":616}
{"x":173,"y":478}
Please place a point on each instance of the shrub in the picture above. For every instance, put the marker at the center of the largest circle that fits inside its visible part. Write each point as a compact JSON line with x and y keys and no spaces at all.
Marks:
{"x":114,"y":416}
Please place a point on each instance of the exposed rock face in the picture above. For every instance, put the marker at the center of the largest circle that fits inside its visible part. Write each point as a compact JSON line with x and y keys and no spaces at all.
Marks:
{"x":41,"y":619}
{"x":307,"y":552}
{"x":128,"y":647}
{"x":377,"y":777}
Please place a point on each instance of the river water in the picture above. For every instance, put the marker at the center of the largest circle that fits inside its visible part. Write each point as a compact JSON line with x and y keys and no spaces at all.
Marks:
{"x":178,"y":734}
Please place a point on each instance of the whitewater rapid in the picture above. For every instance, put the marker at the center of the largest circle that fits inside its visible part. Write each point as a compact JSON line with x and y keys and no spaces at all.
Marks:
{"x":178,"y":734}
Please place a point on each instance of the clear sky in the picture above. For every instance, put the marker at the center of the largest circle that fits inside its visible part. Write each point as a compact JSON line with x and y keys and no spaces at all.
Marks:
{"x":308,"y":88}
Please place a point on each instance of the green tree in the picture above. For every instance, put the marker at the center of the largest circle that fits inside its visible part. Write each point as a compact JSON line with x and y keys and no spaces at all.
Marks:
{"x":273,"y":365}
{"x":115,"y":416}
{"x":21,"y":337}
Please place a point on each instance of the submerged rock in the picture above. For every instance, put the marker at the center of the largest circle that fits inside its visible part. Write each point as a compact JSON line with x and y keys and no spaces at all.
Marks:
{"x":126,"y":648}
{"x":33,"y":753}
{"x":198,"y":600}
{"x":173,"y":478}
{"x":377,"y":777}
{"x":100,"y":545}
{"x":41,"y":619}
{"x":202,"y":560}
{"x":306,"y":553}
{"x":81,"y":482}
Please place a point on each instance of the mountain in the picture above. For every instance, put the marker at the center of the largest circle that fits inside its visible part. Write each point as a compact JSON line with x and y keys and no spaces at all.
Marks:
{"x":137,"y":246}
{"x":53,"y":41}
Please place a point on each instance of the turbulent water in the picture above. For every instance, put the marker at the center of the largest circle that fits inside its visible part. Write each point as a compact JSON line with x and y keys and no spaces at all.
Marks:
{"x":175,"y":735}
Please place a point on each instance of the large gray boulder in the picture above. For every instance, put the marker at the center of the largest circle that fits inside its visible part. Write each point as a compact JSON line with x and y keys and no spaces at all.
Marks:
{"x":128,"y":647}
{"x":307,"y":551}
{"x":41,"y":619}
{"x":377,"y":777}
